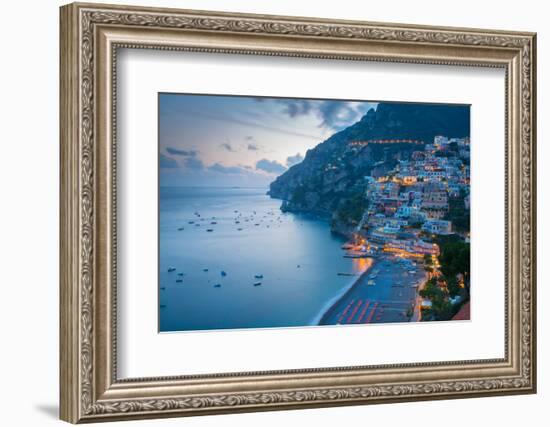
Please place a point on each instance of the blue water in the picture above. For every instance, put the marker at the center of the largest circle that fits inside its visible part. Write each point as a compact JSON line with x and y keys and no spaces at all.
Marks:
{"x":297,"y":255}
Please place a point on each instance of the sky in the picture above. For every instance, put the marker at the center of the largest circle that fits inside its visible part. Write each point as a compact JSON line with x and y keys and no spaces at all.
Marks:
{"x":214,"y":140}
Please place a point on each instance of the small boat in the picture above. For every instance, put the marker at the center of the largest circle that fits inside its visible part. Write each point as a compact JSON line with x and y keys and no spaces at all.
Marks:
{"x":257,"y":283}
{"x":181,"y":229}
{"x":256,"y":225}
{"x":205,"y":269}
{"x":179,"y":280}
{"x":170,"y":269}
{"x":197,"y":225}
{"x":223,"y":273}
{"x":162,"y":288}
{"x":217,"y":285}
{"x":239,"y":229}
{"x":209,"y":230}
{"x":298,"y":266}
{"x":180,"y":274}
{"x":258,"y":276}
{"x":371,"y":283}
{"x":163,"y":306}
{"x":213,"y":223}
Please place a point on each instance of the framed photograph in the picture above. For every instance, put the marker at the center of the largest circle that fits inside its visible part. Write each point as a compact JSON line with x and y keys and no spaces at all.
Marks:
{"x":266,"y":212}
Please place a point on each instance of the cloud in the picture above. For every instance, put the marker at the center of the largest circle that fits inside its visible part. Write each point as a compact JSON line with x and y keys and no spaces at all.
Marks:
{"x":333,"y":114}
{"x":296,"y":107}
{"x":270,"y":166}
{"x":218,"y":167}
{"x":252,"y":143}
{"x":167,"y":162}
{"x":292,"y":160}
{"x":178,"y":152}
{"x":338,"y":115}
{"x":227,"y":146}
{"x":193,"y":163}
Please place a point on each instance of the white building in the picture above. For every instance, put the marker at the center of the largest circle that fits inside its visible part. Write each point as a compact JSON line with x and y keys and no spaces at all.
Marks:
{"x":404,"y":211}
{"x":440,"y":140}
{"x":422,"y":247}
{"x":437,"y":226}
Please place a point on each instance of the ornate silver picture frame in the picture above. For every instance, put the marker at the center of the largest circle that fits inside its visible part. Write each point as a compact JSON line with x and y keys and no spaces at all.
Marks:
{"x":91,"y":35}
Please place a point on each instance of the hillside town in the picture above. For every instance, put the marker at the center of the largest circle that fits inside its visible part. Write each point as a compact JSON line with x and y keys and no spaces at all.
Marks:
{"x":420,"y":209}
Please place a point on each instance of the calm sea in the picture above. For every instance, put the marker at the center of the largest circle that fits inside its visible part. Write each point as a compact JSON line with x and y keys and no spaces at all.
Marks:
{"x":297,"y":256}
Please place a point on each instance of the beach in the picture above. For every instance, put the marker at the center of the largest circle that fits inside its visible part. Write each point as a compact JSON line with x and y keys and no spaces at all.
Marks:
{"x":385,"y":293}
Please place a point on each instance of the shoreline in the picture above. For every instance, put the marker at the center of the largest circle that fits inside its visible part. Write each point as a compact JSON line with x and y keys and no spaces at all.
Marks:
{"x":334,"y":302}
{"x":387,"y":299}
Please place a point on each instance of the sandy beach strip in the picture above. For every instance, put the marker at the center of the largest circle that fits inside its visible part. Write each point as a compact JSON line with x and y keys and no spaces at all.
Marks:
{"x":390,"y":296}
{"x":335,"y":303}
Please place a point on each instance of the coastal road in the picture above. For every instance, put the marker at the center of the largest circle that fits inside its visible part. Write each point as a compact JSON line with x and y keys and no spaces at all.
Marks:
{"x":386,"y":298}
